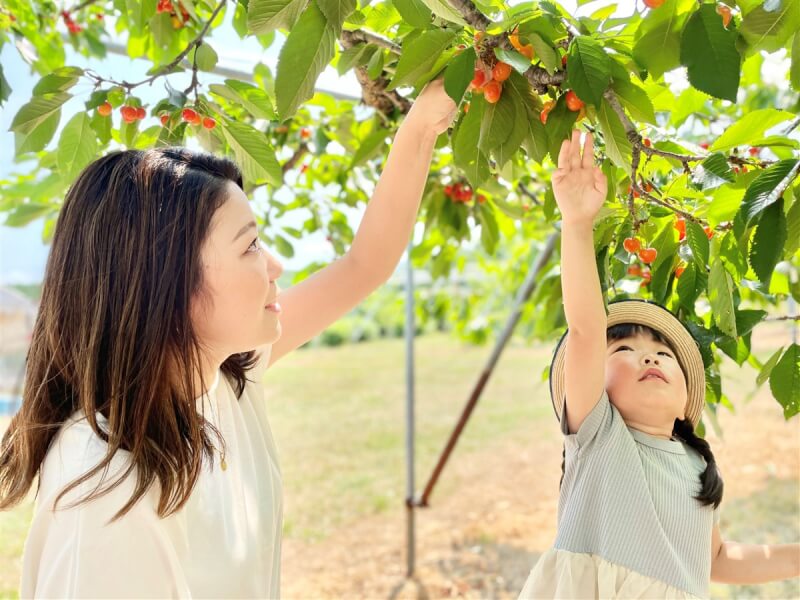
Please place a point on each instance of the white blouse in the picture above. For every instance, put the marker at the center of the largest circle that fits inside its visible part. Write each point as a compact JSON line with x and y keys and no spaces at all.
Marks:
{"x":224,"y":543}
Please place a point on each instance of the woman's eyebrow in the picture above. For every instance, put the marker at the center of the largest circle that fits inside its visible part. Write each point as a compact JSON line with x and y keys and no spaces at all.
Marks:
{"x":245,"y":229}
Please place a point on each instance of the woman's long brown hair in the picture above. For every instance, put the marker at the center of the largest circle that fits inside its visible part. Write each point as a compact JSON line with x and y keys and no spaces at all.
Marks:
{"x":114,"y":335}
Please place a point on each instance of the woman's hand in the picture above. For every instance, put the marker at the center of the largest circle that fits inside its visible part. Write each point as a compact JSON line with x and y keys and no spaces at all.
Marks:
{"x":433,"y":110}
{"x":579,"y":186}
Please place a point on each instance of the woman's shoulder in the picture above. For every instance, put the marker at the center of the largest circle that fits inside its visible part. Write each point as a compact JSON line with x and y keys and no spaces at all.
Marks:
{"x":76,"y":450}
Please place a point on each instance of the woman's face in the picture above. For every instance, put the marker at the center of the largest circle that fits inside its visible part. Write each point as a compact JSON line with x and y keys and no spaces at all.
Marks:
{"x":655,"y":399}
{"x":237,"y":310}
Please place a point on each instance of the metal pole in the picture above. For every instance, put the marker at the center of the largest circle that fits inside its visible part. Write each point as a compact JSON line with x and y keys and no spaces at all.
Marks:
{"x":522,"y":296}
{"x":410,"y":484}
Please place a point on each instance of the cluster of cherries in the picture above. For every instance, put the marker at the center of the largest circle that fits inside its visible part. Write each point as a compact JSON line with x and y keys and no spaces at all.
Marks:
{"x":72,"y":26}
{"x":649,"y":255}
{"x":459,"y":192}
{"x":137,"y":113}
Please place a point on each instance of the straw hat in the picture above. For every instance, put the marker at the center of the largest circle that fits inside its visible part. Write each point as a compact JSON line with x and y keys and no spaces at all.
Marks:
{"x":656,"y":317}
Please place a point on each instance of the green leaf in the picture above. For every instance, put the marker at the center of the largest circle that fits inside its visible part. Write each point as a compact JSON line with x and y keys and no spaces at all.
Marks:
{"x":37,"y":121}
{"x":691,"y":284}
{"x":636,"y":100}
{"x":459,"y":73}
{"x":77,"y":146}
{"x":763,"y":191}
{"x":336,"y":11}
{"x":522,"y":118}
{"x":375,"y":64}
{"x":713,"y":172}
{"x":498,"y":121}
{"x":23,"y":214}
{"x":206,"y":57}
{"x":545,"y":52}
{"x":720,"y":294}
{"x":466,"y":154}
{"x":419,"y":55}
{"x":708,"y":50}
{"x":253,"y":153}
{"x":253,"y":99}
{"x":589,"y":69}
{"x":59,"y":80}
{"x":794,"y":71}
{"x":414,"y":12}
{"x":517,"y":61}
{"x":618,"y":146}
{"x":559,"y":126}
{"x":443,"y":9}
{"x":766,"y":370}
{"x":657,"y":44}
{"x":5,"y":88}
{"x":768,"y":242}
{"x":698,"y":242}
{"x":370,"y":145}
{"x":784,"y":381}
{"x":306,"y":52}
{"x":353,"y":56}
{"x":793,"y":227}
{"x":283,"y":246}
{"x":750,"y":127}
{"x":769,"y":26}
{"x":264,"y":16}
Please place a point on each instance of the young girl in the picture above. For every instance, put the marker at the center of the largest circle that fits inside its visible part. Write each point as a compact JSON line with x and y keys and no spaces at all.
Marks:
{"x":143,"y":413}
{"x":638,"y":510}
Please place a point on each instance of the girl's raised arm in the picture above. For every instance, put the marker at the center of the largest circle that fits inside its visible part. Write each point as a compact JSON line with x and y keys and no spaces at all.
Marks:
{"x":580,"y":188}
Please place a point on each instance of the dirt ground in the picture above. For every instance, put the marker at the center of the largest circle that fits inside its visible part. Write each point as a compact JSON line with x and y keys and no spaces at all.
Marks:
{"x":481,"y":540}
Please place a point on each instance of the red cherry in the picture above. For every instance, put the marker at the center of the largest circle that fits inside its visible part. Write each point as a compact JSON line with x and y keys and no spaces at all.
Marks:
{"x":564,"y":61}
{"x":104,"y":109}
{"x":501,"y":71}
{"x":679,"y":271}
{"x":573,"y":102}
{"x":141,"y":113}
{"x":478,"y":79}
{"x":635,"y":270}
{"x":481,"y":199}
{"x":128,"y":113}
{"x":492,"y":91}
{"x":209,"y":122}
{"x":680,"y":225}
{"x":632,"y":245}
{"x":164,"y":119}
{"x":646,"y":277}
{"x":754,"y":151}
{"x":305,"y":133}
{"x":704,"y":145}
{"x":653,"y":3}
{"x":709,"y":232}
{"x":647,"y":142}
{"x":648,"y":255}
{"x":189,"y":115}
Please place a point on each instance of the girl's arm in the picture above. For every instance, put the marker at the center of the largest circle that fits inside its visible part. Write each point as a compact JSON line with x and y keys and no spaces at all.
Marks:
{"x":383,"y":235}
{"x":742,"y":564}
{"x":580,"y":188}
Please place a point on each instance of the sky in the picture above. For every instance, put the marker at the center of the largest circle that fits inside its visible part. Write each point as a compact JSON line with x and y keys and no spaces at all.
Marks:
{"x":23,"y":255}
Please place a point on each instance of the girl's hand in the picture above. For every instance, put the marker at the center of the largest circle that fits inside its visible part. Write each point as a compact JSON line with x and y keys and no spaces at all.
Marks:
{"x":579,"y":186}
{"x":433,"y":110}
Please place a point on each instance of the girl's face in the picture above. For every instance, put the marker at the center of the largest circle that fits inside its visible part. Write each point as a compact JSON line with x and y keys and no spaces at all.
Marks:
{"x":237,"y":311}
{"x":644,"y":381}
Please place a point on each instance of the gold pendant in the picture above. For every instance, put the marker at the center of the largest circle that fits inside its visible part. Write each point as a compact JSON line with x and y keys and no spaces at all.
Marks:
{"x":223,"y":464}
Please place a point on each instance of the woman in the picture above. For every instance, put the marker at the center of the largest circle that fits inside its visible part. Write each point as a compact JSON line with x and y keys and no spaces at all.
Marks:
{"x":143,"y":412}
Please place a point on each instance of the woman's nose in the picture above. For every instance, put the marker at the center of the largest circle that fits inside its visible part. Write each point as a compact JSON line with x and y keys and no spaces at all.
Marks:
{"x":274,"y":268}
{"x":650,"y":359}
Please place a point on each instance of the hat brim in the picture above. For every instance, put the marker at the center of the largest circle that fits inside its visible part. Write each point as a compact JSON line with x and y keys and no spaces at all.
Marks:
{"x":655,"y":316}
